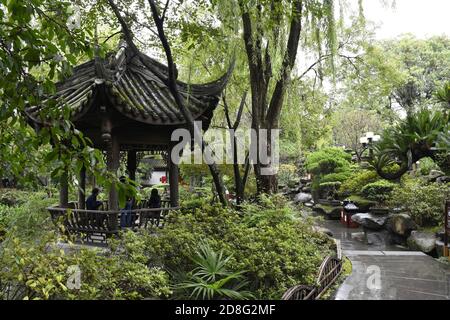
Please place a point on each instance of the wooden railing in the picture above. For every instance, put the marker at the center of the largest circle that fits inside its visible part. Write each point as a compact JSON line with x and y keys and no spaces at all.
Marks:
{"x":97,"y":225}
{"x":329,"y":272}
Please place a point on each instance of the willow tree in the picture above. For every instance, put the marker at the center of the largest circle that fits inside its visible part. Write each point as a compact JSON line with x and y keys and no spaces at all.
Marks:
{"x":273,"y":31}
{"x":269,"y":33}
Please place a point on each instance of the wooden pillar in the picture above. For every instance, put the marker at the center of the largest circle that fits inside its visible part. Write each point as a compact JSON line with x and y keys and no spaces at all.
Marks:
{"x":173,"y":181}
{"x":82,"y":189}
{"x":64,"y":190}
{"x":132,"y":164}
{"x":112,"y":162}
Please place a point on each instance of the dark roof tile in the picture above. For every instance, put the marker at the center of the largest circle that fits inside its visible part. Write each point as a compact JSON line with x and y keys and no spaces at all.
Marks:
{"x":134,"y":90}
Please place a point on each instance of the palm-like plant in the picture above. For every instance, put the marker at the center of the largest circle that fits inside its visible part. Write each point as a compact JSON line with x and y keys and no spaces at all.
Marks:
{"x":416,"y":137}
{"x":211,"y":279}
{"x":443,"y":95}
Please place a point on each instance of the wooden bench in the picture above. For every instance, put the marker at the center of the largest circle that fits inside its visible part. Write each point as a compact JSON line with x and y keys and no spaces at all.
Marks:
{"x":96,"y":226}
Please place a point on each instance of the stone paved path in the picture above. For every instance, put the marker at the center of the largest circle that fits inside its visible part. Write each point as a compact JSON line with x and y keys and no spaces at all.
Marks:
{"x":384,"y":272}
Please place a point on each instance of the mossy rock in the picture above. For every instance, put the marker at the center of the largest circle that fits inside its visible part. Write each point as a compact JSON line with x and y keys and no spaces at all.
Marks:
{"x":330,"y":212}
{"x":364,"y":205}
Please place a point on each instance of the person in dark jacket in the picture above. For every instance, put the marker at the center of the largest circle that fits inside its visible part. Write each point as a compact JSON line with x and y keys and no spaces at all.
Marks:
{"x":155,"y":199}
{"x":91,"y":202}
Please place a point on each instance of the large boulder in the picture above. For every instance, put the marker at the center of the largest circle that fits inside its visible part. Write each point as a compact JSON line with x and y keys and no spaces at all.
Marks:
{"x":422,"y":241}
{"x":303,"y":198}
{"x":370,"y":221}
{"x":401,"y":224}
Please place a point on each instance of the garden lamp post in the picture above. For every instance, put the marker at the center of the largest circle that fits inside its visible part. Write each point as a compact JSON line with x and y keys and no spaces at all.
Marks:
{"x":367,"y":142}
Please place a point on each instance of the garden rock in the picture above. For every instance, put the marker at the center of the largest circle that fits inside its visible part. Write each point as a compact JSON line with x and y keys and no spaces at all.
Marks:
{"x":370,"y":221}
{"x":434,"y":175}
{"x":401,"y":224}
{"x":443,"y":180}
{"x":422,"y":241}
{"x":309,"y":204}
{"x":306,"y":189}
{"x":364,"y":205}
{"x":440,"y":248}
{"x":303,"y":198}
{"x":395,"y":239}
{"x":440,"y":234}
{"x":329,"y":211}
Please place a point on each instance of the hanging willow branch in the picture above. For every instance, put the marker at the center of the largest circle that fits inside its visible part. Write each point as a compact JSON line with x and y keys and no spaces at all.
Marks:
{"x":172,"y":84}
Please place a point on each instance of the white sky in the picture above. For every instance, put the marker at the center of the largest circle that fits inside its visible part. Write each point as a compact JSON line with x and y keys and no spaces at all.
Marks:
{"x":422,"y":18}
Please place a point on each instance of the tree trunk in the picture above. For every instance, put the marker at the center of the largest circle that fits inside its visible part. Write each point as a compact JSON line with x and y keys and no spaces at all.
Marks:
{"x":266,"y":116}
{"x":172,"y":83}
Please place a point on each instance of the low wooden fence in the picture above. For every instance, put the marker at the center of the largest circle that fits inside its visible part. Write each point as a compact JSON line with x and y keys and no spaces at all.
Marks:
{"x":329,"y":272}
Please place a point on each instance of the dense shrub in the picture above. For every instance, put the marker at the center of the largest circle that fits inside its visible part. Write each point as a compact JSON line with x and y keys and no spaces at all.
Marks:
{"x":328,"y":160}
{"x":268,"y":241}
{"x":427,"y":165}
{"x":378,"y":191}
{"x":40,"y":270}
{"x":13,"y":197}
{"x":287,"y":173}
{"x":424,"y":202}
{"x":328,"y":165}
{"x":27,"y":211}
{"x":357,"y":181}
{"x":336,"y":177}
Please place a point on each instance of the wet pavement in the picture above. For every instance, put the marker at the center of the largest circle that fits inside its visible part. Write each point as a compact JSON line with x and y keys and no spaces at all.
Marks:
{"x":381,"y":271}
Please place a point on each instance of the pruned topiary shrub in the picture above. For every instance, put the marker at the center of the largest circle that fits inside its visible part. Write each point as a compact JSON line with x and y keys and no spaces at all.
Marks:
{"x":328,"y":165}
{"x":357,"y":181}
{"x":378,"y":191}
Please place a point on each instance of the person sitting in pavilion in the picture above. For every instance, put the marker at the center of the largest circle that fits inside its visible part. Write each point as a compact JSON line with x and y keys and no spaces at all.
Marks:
{"x":91,"y":202}
{"x":153,"y":203}
{"x":155,"y":199}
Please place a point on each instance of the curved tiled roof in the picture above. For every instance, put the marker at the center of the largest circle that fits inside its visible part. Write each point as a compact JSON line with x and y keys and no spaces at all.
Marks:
{"x":134,"y":90}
